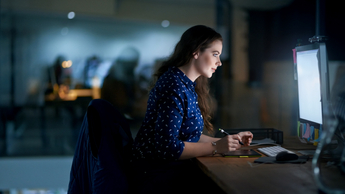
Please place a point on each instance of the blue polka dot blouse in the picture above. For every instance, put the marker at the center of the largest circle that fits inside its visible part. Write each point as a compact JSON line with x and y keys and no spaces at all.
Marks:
{"x":172,"y":117}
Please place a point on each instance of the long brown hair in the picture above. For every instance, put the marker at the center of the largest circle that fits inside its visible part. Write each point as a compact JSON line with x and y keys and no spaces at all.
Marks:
{"x":196,"y":38}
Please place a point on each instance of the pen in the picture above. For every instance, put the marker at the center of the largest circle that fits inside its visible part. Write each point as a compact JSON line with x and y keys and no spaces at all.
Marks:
{"x":226,"y":133}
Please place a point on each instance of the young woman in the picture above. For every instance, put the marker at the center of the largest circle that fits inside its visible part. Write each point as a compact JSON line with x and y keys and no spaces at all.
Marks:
{"x":177,"y":113}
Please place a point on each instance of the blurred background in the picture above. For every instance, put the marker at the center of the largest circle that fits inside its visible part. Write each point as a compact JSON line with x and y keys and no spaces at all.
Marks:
{"x":57,"y":55}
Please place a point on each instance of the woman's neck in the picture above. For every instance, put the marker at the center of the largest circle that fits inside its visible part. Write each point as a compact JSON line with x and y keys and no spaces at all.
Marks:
{"x":190,"y":71}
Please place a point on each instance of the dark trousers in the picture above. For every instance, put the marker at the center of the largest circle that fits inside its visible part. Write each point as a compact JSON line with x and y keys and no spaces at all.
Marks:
{"x":173,"y":177}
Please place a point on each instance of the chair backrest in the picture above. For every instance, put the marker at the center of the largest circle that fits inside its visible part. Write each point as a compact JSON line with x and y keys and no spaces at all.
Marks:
{"x":102,"y":152}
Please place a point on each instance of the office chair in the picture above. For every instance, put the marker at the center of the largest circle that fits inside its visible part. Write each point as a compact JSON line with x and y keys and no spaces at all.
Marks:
{"x":102,"y":152}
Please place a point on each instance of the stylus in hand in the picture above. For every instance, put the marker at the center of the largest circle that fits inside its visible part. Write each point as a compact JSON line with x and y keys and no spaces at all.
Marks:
{"x":226,"y":133}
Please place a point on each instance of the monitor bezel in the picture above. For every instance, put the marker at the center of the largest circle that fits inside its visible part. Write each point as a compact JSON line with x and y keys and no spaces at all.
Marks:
{"x":324,"y":83}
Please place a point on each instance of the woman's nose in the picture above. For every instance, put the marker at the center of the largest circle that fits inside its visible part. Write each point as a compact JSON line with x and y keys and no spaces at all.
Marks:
{"x":219,"y":63}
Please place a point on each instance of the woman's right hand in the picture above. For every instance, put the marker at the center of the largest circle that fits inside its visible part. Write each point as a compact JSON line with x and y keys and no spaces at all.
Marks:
{"x":228,"y":143}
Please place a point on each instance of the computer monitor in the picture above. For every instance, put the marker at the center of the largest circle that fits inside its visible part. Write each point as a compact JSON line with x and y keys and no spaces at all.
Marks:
{"x":313,"y":84}
{"x":316,"y":111}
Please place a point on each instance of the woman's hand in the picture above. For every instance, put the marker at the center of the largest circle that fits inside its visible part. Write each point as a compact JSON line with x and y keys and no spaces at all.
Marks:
{"x":246,"y":137}
{"x":228,"y":143}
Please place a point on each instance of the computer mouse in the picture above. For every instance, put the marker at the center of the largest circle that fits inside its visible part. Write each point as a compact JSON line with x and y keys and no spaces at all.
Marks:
{"x":285,"y":156}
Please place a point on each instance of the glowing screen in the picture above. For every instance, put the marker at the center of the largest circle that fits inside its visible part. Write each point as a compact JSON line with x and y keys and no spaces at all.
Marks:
{"x":309,"y":93}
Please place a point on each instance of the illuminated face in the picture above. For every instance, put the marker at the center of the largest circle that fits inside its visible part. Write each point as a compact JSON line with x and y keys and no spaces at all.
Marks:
{"x":208,"y":60}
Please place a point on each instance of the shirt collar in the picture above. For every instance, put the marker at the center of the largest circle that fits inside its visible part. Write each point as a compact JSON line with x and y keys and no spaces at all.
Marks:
{"x":183,"y":77}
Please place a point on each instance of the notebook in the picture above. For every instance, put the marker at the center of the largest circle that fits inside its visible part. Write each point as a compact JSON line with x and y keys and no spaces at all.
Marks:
{"x":242,"y":154}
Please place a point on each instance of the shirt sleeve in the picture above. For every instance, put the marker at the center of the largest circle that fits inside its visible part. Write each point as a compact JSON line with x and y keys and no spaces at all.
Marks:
{"x":168,"y":124}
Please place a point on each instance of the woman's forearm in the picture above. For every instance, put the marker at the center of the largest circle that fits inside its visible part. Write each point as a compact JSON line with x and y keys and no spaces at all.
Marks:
{"x":203,"y":147}
{"x":195,"y":149}
{"x":205,"y":138}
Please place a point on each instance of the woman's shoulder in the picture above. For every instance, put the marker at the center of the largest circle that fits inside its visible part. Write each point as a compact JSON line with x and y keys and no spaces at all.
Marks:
{"x":169,"y":81}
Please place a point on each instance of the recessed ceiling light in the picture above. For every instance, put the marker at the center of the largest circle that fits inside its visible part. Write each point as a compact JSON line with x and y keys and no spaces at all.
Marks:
{"x":71,"y":15}
{"x":165,"y":23}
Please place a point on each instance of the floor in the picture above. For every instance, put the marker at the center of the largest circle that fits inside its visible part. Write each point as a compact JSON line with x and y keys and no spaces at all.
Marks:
{"x":34,"y":174}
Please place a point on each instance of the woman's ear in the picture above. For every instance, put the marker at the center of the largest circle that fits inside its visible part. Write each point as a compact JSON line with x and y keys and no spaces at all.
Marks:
{"x":196,"y":55}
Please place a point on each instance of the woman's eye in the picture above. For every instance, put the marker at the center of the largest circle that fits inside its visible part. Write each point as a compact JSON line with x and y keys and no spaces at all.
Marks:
{"x":215,"y":55}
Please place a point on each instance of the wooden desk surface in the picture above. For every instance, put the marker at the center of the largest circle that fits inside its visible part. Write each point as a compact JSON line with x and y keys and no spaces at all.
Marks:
{"x":242,"y":175}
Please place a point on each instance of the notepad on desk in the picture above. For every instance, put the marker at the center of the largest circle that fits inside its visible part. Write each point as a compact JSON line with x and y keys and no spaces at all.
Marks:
{"x":242,"y":154}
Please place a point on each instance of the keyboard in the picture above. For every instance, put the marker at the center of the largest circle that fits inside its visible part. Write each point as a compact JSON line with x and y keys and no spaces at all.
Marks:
{"x":273,"y":150}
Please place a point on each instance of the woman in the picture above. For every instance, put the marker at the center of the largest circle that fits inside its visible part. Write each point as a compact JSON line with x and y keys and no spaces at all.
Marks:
{"x":177,"y":112}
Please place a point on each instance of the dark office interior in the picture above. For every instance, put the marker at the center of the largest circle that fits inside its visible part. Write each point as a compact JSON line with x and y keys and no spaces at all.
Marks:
{"x":58,"y":55}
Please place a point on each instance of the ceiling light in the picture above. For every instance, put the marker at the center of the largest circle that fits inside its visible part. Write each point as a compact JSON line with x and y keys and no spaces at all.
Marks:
{"x":71,"y":15}
{"x":165,"y":23}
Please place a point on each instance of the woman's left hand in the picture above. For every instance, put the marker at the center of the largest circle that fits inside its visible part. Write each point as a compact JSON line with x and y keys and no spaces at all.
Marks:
{"x":246,"y":137}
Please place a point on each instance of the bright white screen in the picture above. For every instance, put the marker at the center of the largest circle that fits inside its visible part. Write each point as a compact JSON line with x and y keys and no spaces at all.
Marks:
{"x":309,"y":94}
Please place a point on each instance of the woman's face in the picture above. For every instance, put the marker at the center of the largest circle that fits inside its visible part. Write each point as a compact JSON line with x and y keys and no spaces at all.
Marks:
{"x":208,"y":60}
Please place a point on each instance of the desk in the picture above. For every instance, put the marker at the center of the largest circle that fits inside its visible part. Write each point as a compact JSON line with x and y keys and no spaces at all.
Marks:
{"x":242,"y":175}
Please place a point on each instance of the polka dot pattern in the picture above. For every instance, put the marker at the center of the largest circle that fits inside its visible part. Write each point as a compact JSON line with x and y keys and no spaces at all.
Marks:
{"x":172,"y":117}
